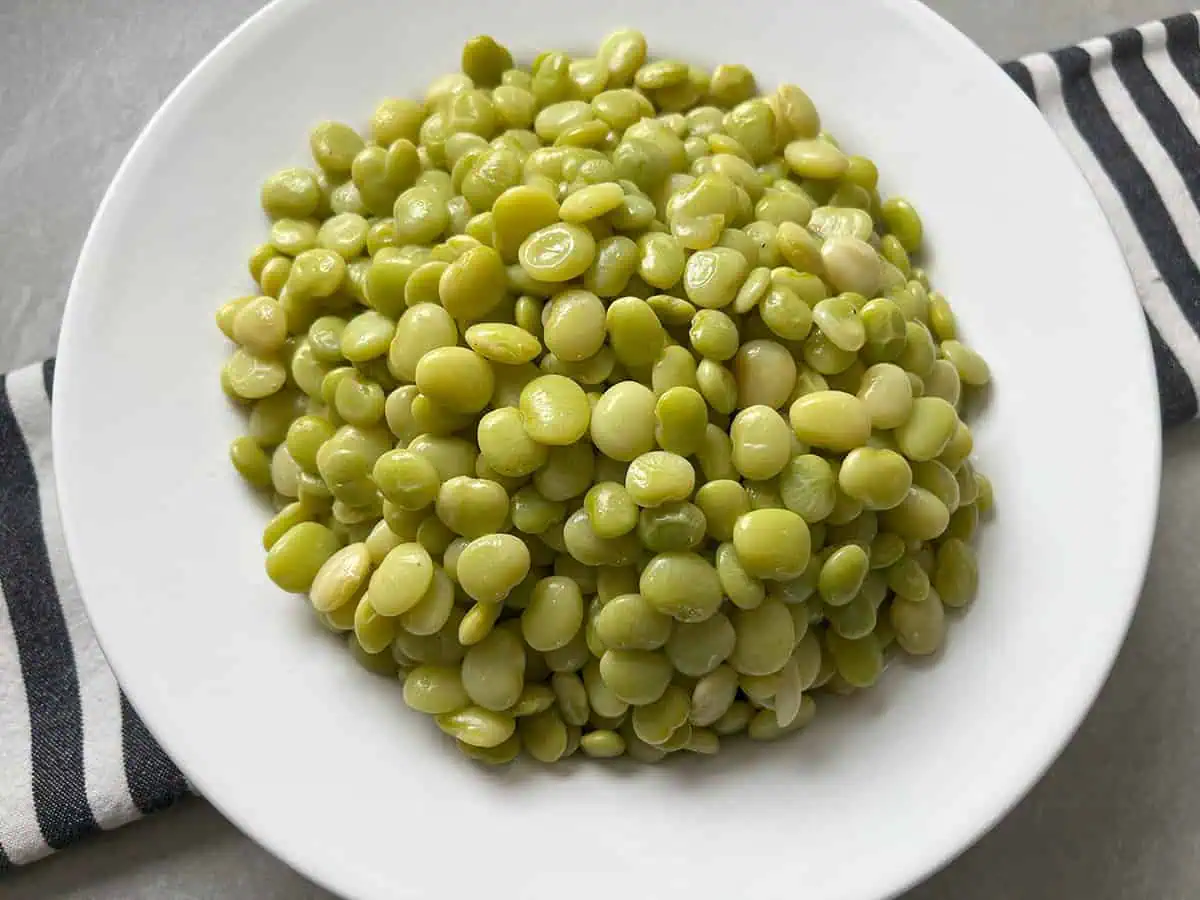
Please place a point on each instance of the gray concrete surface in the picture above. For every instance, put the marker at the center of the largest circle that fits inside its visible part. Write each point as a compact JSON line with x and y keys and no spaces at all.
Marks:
{"x":1117,"y":817}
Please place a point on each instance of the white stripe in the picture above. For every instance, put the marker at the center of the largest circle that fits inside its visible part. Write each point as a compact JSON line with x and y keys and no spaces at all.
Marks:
{"x":1177,"y":333}
{"x":1145,"y":144}
{"x":1162,"y":67}
{"x":100,"y":702}
{"x":1165,"y":177}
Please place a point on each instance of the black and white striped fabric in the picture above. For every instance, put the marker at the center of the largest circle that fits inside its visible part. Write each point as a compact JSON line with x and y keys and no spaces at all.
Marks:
{"x":74,"y":756}
{"x":1127,"y":107}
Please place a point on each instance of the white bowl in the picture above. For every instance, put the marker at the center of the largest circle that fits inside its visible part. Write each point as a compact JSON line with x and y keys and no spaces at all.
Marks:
{"x":324,"y":765}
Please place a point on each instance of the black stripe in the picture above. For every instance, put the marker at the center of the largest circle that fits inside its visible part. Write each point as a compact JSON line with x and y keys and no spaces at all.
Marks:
{"x":1177,"y":397}
{"x":1183,"y":39}
{"x":1019,"y":73}
{"x":1141,"y":198}
{"x":1168,"y":126}
{"x":1163,"y":117}
{"x":5,"y":862}
{"x":43,"y":645}
{"x":48,"y":378}
{"x":154,"y":781}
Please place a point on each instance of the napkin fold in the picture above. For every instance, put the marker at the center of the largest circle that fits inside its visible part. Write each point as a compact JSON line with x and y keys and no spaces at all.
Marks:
{"x":74,"y":756}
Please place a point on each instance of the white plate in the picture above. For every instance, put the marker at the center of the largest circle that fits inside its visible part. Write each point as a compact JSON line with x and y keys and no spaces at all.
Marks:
{"x":324,"y":765}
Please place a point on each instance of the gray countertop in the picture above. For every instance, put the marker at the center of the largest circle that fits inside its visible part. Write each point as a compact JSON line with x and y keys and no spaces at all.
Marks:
{"x":1118,"y":816}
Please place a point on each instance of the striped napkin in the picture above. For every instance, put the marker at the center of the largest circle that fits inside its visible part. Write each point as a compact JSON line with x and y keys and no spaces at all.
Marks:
{"x":1127,"y":107}
{"x":74,"y":756}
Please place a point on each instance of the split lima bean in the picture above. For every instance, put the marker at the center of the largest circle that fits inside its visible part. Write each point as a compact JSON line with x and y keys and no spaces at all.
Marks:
{"x":607,"y":403}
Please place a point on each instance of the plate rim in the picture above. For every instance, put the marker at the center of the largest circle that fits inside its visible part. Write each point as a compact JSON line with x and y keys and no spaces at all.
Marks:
{"x":934,"y":856}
